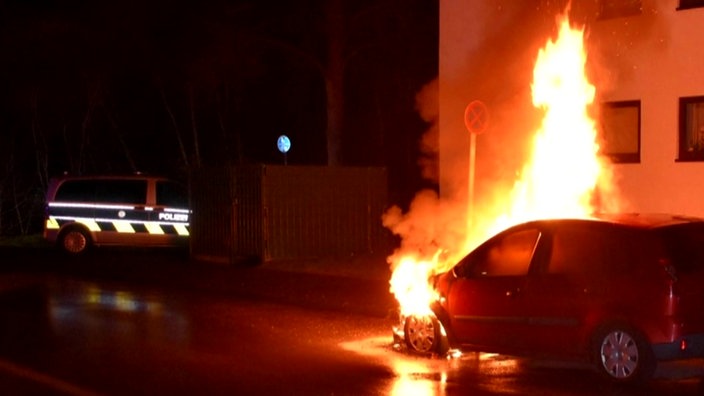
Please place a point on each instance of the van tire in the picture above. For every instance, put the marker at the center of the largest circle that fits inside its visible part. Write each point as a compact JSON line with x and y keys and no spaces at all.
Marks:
{"x":74,"y":240}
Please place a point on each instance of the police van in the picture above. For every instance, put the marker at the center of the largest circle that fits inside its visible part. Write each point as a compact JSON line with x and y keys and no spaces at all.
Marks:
{"x":134,"y":210}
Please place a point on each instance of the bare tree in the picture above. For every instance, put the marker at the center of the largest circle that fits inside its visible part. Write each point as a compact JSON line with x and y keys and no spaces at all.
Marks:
{"x":335,"y":78}
{"x":174,"y":123}
{"x":41,"y":151}
{"x":194,"y":127}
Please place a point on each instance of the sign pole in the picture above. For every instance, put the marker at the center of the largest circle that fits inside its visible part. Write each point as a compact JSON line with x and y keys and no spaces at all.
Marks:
{"x":470,"y":192}
{"x":476,"y":119}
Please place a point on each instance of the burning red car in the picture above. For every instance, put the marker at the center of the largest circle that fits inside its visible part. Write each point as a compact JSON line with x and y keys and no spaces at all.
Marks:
{"x":621,"y":291}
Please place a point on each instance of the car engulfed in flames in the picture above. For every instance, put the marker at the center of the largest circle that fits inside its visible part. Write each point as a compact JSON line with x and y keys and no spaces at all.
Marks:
{"x":415,"y":285}
{"x":455,"y":301}
{"x":422,"y":333}
{"x":561,"y":179}
{"x":619,"y":291}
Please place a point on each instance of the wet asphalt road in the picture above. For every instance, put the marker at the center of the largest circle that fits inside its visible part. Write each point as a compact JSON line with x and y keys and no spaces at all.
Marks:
{"x":137,"y":323}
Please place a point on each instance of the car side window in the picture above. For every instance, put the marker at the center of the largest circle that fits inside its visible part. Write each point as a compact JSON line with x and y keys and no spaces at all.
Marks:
{"x":598,"y":251}
{"x":509,"y":255}
{"x":574,"y":250}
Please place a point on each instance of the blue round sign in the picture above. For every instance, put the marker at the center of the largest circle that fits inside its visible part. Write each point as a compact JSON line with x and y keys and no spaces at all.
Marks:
{"x":283,"y":143}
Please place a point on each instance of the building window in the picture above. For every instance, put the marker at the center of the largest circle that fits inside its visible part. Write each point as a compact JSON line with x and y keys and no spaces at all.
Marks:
{"x":619,"y":8}
{"x":687,"y":4}
{"x":691,"y":129}
{"x":620,"y":131}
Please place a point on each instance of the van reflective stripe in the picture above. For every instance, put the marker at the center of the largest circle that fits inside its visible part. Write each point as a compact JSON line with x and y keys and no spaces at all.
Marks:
{"x":52,"y":224}
{"x":117,"y":213}
{"x":133,"y":222}
{"x":123,"y":226}
{"x":181,"y":229}
{"x":154,"y":228}
{"x":91,"y":224}
{"x":175,"y":210}
{"x":88,"y":206}
{"x":124,"y":219}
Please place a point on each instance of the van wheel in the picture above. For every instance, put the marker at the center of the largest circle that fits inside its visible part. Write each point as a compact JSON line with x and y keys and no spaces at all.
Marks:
{"x":623,"y":355}
{"x":74,"y":241}
{"x":423,"y":335}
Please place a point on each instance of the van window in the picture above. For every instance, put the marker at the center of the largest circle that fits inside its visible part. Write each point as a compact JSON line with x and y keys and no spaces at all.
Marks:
{"x":103,"y":191}
{"x":171,"y":194}
{"x":121,"y":191}
{"x":76,"y":191}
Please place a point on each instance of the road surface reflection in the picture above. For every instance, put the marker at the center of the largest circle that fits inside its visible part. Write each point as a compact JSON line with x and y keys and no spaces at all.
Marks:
{"x":488,"y":373}
{"x":429,"y":376}
{"x":117,"y":311}
{"x":123,"y":339}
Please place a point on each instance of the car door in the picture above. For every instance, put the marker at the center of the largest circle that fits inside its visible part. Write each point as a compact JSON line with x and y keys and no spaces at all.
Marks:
{"x":484,"y":301}
{"x":563,"y":293}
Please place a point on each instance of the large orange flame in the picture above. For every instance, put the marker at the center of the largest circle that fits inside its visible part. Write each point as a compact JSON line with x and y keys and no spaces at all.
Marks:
{"x":560,"y":178}
{"x":562,"y":175}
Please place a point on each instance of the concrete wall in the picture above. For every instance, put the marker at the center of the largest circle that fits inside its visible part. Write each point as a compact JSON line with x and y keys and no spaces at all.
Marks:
{"x":487,"y":52}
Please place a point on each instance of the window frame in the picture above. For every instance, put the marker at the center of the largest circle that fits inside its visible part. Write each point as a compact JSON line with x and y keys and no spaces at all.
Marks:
{"x":632,"y":157}
{"x":689,"y":4}
{"x":685,"y":153}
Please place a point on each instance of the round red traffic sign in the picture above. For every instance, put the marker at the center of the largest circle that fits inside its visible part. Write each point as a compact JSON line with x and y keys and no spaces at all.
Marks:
{"x":476,"y":117}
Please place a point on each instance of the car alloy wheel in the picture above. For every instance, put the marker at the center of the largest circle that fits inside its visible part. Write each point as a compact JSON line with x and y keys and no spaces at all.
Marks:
{"x":423,"y":335}
{"x":623,"y":355}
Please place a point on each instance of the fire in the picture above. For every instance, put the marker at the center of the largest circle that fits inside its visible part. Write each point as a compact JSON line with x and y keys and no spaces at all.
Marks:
{"x":409,"y":282}
{"x":562,"y":174}
{"x":560,"y":179}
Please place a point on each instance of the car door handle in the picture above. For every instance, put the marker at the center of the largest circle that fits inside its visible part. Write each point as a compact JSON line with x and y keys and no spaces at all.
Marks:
{"x":513,"y":293}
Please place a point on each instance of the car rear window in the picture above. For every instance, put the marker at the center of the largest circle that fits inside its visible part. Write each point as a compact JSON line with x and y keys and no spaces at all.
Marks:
{"x":685,"y":246}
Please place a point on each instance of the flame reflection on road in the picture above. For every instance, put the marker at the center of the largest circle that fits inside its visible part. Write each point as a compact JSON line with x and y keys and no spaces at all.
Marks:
{"x":430,"y":376}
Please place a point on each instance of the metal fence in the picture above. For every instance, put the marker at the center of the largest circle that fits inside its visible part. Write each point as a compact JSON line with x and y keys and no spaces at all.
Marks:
{"x":270,"y":212}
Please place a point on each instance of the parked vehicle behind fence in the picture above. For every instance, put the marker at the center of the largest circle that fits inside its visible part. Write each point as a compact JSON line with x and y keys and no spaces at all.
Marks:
{"x":132,"y":210}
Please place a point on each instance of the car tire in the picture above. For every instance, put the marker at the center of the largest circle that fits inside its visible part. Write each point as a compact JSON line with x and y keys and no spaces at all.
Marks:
{"x":423,"y":335}
{"x":623,"y":355}
{"x":74,"y":241}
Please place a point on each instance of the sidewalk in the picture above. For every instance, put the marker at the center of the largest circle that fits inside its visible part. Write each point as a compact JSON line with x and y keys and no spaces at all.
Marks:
{"x":357,"y":285}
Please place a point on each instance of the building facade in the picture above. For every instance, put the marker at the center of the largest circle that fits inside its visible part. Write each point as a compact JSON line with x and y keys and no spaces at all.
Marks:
{"x":646,"y":61}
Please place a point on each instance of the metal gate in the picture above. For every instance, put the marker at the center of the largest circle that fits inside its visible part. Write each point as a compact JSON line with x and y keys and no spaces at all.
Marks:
{"x":270,"y":212}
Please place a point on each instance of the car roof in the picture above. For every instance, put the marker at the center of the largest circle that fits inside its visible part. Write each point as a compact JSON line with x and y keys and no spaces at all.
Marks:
{"x":633,"y":220}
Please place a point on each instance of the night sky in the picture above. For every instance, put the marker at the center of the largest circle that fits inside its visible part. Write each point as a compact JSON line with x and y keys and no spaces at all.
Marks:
{"x":161,"y":86}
